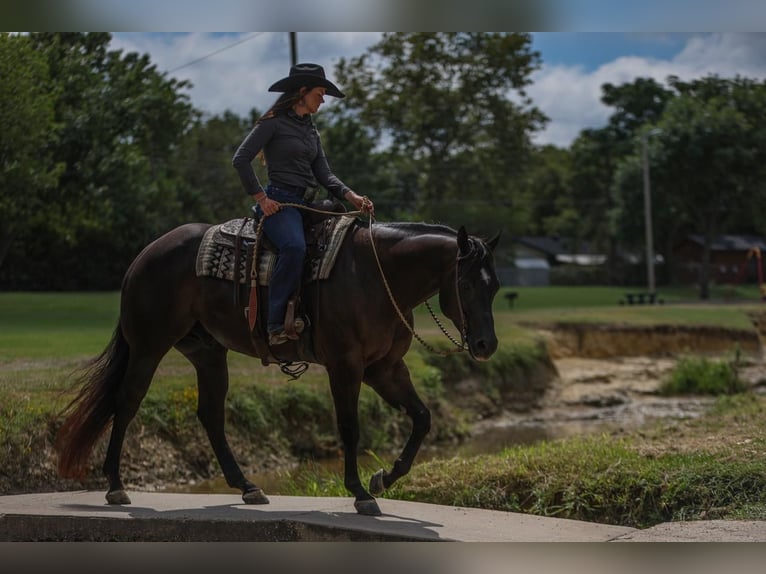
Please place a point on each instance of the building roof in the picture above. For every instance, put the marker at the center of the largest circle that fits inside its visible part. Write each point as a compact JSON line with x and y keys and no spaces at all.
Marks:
{"x":731,"y":242}
{"x":555,"y":245}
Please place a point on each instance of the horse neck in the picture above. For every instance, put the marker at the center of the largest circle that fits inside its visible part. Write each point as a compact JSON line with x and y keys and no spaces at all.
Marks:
{"x":416,"y":266}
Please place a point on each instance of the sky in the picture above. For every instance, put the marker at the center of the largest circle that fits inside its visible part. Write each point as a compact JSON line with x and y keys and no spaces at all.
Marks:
{"x":232,"y":71}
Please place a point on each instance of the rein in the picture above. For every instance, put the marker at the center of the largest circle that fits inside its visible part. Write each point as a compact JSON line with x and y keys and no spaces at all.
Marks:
{"x":459,"y":346}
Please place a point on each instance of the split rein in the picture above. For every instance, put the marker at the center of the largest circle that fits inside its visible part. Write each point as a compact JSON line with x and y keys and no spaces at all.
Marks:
{"x":459,"y":345}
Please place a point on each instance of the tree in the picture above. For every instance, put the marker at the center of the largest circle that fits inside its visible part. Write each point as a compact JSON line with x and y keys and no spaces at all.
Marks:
{"x":548,"y":204}
{"x":119,"y":122}
{"x":211,"y":190}
{"x":452,"y":111}
{"x":26,"y":117}
{"x":636,"y":104}
{"x":597,"y":153}
{"x":353,"y":156}
{"x":706,"y":163}
{"x":711,"y":156}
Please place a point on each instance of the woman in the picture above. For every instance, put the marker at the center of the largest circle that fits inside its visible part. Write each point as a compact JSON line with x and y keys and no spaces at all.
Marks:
{"x":289,"y":142}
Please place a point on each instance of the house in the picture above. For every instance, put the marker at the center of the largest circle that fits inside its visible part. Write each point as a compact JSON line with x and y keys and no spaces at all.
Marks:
{"x":534,"y":256}
{"x":733,"y":258}
{"x":526,"y":272}
{"x":557,"y":250}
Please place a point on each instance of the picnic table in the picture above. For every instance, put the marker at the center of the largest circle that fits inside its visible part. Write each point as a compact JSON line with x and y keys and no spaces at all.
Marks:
{"x":641,"y":298}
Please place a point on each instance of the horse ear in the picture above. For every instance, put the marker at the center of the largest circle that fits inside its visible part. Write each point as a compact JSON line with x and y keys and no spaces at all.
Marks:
{"x":462,"y":241}
{"x":492,"y":243}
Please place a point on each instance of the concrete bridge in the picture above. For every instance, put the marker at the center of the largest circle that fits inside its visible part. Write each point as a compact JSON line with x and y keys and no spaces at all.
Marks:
{"x":85,"y":516}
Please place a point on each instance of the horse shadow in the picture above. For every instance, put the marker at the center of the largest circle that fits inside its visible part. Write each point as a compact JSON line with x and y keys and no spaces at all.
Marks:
{"x":242,"y":522}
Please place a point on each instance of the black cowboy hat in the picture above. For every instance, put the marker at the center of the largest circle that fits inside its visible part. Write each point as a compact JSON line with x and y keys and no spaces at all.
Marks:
{"x":309,"y":75}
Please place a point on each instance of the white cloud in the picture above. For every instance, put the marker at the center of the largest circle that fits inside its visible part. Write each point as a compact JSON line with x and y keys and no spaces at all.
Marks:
{"x":237,"y":78}
{"x":571,"y":97}
{"x":725,"y":55}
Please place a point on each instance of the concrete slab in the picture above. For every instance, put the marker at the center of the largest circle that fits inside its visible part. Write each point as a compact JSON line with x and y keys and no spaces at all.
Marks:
{"x":82,"y":515}
{"x":701,"y":531}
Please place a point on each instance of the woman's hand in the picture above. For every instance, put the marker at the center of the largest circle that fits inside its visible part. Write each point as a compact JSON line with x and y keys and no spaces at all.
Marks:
{"x":360,"y":202}
{"x":267,"y":205}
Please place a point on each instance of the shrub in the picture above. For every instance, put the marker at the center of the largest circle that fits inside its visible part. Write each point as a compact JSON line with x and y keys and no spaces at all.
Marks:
{"x":701,"y":376}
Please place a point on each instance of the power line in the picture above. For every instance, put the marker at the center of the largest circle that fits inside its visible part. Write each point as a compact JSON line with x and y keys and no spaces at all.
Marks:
{"x":211,"y":54}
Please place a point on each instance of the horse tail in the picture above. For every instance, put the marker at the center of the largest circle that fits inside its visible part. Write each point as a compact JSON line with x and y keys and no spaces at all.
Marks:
{"x":92,"y":410}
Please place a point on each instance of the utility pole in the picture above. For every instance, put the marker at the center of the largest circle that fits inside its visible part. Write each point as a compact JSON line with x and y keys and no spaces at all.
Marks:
{"x":293,"y":48}
{"x":648,"y":210}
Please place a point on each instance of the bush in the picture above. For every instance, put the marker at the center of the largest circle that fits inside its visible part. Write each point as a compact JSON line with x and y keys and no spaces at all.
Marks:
{"x":701,"y":376}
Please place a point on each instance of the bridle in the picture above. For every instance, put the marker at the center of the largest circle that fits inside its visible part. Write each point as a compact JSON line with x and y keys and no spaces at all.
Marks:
{"x":459,"y":346}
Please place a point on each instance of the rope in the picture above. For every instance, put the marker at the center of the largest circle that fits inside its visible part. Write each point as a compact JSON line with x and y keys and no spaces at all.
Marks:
{"x":460,"y":346}
{"x":290,"y":368}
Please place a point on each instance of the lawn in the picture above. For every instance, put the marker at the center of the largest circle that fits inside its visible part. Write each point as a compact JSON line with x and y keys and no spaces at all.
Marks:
{"x":602,"y":305}
{"x":45,"y":336}
{"x":72,"y":326}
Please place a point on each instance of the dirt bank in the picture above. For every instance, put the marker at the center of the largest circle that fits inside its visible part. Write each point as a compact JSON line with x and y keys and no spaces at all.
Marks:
{"x":598,"y":341}
{"x":609,"y":376}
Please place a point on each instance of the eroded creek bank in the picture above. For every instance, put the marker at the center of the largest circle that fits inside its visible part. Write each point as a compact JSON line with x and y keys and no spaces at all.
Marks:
{"x":608,"y":378}
{"x":600,"y":379}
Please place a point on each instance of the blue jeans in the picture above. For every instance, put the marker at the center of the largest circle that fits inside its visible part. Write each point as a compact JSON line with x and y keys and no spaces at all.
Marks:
{"x":285,"y":230}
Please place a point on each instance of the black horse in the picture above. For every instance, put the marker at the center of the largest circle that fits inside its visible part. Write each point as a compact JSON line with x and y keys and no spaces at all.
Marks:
{"x":358,"y":336}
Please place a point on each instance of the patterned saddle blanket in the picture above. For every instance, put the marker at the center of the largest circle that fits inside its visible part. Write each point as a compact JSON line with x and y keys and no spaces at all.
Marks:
{"x":217,"y":257}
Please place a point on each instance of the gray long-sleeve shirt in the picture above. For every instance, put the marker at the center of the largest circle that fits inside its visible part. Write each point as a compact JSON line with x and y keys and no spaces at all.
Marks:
{"x":293,"y":152}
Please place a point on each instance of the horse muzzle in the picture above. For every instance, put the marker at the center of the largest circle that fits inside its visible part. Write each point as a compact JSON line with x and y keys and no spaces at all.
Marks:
{"x":482,"y":348}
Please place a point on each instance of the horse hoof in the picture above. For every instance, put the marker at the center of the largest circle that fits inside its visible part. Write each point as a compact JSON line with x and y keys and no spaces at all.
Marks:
{"x":367,"y":507}
{"x":376,"y":483}
{"x":117,"y":497}
{"x":255,"y":496}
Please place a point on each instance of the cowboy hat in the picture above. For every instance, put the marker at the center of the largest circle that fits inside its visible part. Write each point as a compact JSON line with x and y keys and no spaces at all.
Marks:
{"x":309,"y":75}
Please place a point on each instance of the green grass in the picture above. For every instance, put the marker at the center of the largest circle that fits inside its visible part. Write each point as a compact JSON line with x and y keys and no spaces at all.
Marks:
{"x":556,"y":296}
{"x":55,"y":325}
{"x":633,"y":481}
{"x":709,"y":468}
{"x":602,"y":305}
{"x":594,"y":479}
{"x":45,"y":336}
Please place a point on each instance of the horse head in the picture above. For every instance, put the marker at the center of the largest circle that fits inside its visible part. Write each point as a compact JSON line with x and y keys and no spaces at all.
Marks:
{"x":466,"y":297}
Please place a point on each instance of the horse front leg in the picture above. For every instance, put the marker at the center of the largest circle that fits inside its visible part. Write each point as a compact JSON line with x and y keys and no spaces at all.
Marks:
{"x":345,"y":383}
{"x":394,"y":385}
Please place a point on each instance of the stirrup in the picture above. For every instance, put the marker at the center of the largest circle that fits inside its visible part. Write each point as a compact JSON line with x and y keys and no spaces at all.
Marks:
{"x":278,"y":338}
{"x":283,"y":336}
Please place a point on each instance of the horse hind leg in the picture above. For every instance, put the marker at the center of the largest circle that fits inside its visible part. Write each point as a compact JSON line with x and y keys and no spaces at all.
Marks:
{"x":209,"y":360}
{"x":395,"y":387}
{"x":138,"y":377}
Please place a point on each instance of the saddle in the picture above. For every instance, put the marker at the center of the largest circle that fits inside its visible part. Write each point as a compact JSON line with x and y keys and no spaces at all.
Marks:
{"x":227,"y":249}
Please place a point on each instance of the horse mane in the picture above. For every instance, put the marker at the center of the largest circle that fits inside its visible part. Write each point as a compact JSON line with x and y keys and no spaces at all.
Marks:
{"x":414,"y":228}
